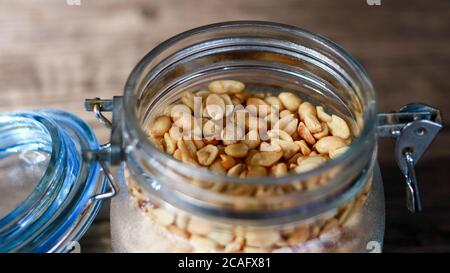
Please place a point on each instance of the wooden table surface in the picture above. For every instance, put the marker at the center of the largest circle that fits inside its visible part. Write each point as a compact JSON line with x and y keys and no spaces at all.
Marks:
{"x":53,"y":54}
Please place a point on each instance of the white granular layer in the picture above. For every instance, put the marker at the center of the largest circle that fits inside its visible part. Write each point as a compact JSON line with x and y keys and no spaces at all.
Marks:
{"x":133,"y":231}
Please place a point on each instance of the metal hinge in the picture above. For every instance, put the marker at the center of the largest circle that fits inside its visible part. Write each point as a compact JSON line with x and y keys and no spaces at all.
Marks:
{"x":110,"y":153}
{"x":414,"y":127}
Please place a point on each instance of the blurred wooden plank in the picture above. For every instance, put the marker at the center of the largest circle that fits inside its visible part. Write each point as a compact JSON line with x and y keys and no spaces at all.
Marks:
{"x":55,"y":55}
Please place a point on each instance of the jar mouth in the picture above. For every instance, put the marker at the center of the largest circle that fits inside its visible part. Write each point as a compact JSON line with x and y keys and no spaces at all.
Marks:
{"x":140,"y":138}
{"x":59,"y":208}
{"x":30,"y":133}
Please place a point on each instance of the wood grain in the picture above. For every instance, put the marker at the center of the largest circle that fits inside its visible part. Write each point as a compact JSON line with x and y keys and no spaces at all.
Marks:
{"x":55,"y":55}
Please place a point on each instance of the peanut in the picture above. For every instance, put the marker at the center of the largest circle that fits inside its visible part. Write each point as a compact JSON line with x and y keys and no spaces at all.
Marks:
{"x":252,"y":139}
{"x":227,"y":161}
{"x":226,"y":86}
{"x":207,"y":155}
{"x":338,"y":152}
{"x":322,"y":115}
{"x":310,"y":163}
{"x":279,"y":170}
{"x":338,"y":127}
{"x":287,"y":123}
{"x":285,"y":112}
{"x":202,"y":244}
{"x":300,"y":235}
{"x":160,"y":126}
{"x":215,"y":107}
{"x":170,"y":143}
{"x":290,"y":101}
{"x":237,"y":150}
{"x":325,"y":132}
{"x":222,"y":237}
{"x":289,"y":148}
{"x":217,"y":167}
{"x":188,"y":99}
{"x":269,"y":147}
{"x":199,"y":226}
{"x":307,"y":113}
{"x":236,"y":170}
{"x":274,"y":102}
{"x":163,"y":217}
{"x":256,"y":171}
{"x":231,"y":135}
{"x":257,"y":106}
{"x":329,"y":144}
{"x":304,"y":149}
{"x":266,"y":159}
{"x":305,"y":134}
{"x":262,"y":237}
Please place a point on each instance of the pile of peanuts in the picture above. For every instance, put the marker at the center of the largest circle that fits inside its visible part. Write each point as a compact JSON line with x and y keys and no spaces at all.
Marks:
{"x":281,"y":134}
{"x":287,"y":135}
{"x":323,"y":234}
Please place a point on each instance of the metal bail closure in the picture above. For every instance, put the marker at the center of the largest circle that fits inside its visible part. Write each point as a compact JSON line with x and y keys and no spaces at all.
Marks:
{"x":111,"y":152}
{"x":414,"y":127}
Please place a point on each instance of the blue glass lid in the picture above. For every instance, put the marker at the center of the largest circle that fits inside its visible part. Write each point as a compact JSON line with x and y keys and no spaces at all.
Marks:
{"x":46,"y":188}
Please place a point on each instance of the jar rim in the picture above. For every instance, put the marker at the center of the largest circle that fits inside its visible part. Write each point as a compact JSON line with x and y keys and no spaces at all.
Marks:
{"x":59,"y":209}
{"x":135,"y":130}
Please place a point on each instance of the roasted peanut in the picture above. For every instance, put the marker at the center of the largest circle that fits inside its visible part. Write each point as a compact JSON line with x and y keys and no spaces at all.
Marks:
{"x":236,"y":170}
{"x":257,"y":107}
{"x":217,"y":167}
{"x":215,"y":106}
{"x":300,"y":235}
{"x":289,"y":148}
{"x":222,"y":237}
{"x":262,"y":237}
{"x":256,"y":171}
{"x":335,"y":153}
{"x":226,"y":86}
{"x":177,"y":154}
{"x":188,"y":99}
{"x":237,"y":150}
{"x":170,"y":143}
{"x":305,"y":134}
{"x":279,"y":170}
{"x":309,"y":163}
{"x":304,"y":149}
{"x":160,"y":126}
{"x":163,"y":217}
{"x":266,"y":159}
{"x":323,"y":133}
{"x":285,"y":112}
{"x":328,"y":144}
{"x":275,"y":102}
{"x":338,"y":127}
{"x":322,"y":115}
{"x":307,"y":113}
{"x":207,"y":155}
{"x":202,"y":244}
{"x":227,"y":161}
{"x":199,"y":226}
{"x":287,"y":123}
{"x":252,"y":139}
{"x":279,"y":134}
{"x":290,"y":101}
{"x":269,"y":147}
{"x":231,"y":135}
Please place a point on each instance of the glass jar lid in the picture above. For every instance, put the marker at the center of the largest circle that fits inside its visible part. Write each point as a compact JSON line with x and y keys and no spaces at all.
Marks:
{"x":47,"y":189}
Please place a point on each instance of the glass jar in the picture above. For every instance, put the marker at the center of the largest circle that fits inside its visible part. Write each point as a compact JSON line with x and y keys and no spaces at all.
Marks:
{"x":168,"y":206}
{"x":58,"y":174}
{"x":47,"y":190}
